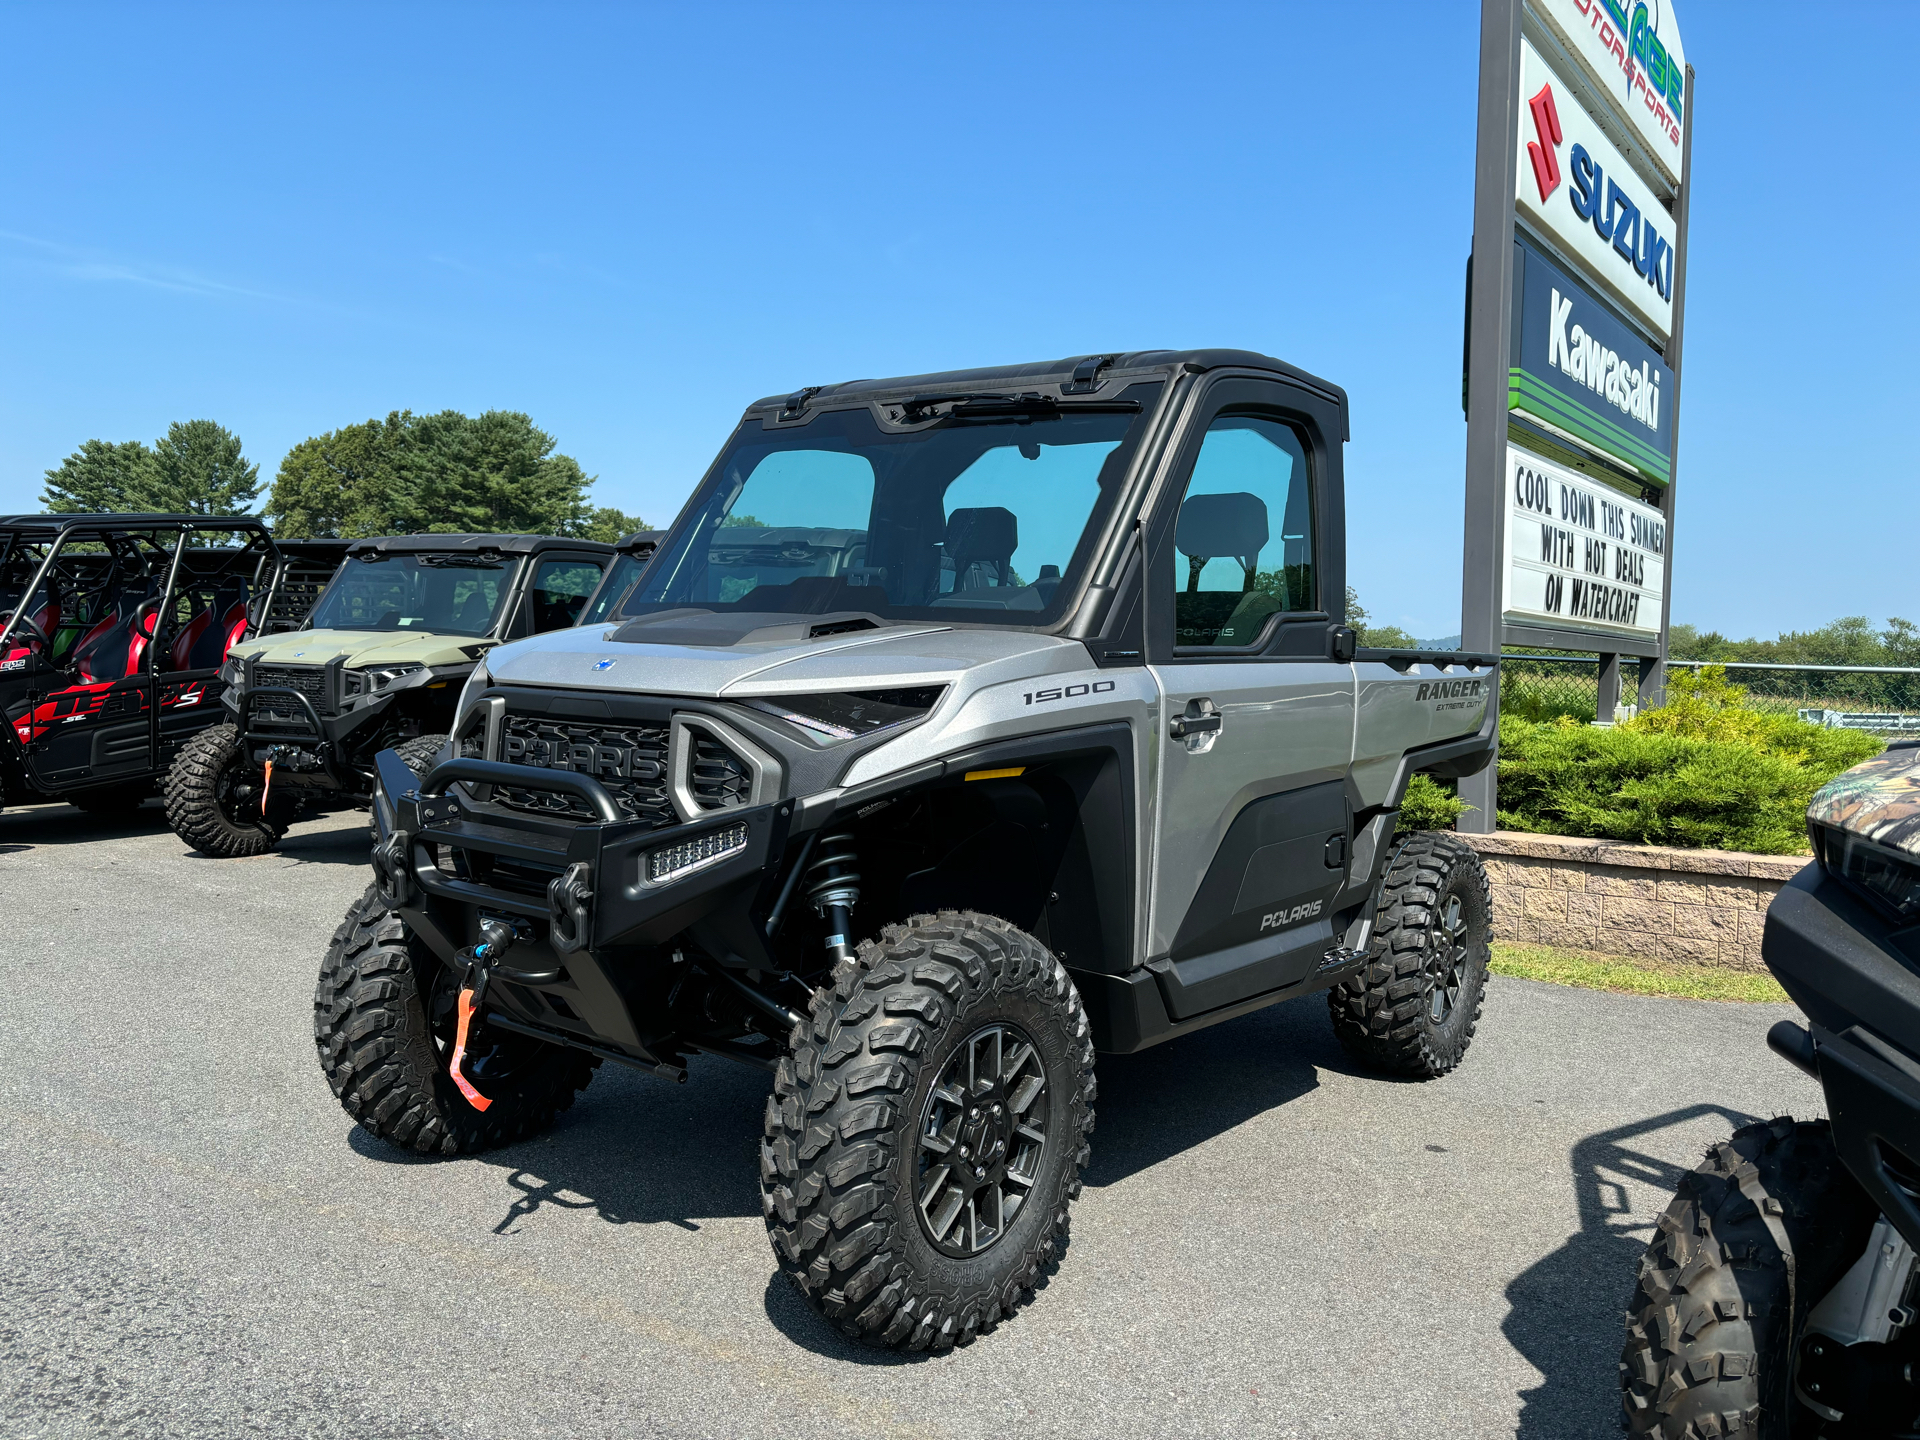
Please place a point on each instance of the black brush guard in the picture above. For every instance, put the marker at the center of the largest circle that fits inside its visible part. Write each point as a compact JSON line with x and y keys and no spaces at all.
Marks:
{"x":593,"y":932}
{"x":601,"y":895}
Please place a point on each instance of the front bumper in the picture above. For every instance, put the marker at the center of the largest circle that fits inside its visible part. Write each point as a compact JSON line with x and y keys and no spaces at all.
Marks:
{"x":318,"y":742}
{"x":582,"y":897}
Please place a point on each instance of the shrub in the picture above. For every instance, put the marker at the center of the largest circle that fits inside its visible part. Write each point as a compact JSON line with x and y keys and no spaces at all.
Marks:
{"x":1700,"y":771}
{"x":1429,"y":806}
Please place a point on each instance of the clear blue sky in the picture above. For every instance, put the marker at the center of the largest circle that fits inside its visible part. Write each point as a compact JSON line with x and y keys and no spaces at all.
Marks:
{"x":629,"y":221}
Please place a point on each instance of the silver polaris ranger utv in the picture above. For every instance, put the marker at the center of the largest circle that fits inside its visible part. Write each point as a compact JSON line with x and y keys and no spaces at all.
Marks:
{"x":962,"y":725}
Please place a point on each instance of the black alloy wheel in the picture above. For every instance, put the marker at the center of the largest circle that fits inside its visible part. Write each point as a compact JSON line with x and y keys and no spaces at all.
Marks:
{"x":1447,"y":960}
{"x":982,"y":1141}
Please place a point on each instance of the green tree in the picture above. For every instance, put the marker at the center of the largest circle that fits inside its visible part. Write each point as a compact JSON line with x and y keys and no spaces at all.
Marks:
{"x":1382,"y":637}
{"x":195,"y":469}
{"x":445,"y":472}
{"x":200,"y":471}
{"x":102,"y":475}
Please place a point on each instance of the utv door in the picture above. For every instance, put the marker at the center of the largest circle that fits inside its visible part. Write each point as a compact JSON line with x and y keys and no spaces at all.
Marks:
{"x":1257,"y":718}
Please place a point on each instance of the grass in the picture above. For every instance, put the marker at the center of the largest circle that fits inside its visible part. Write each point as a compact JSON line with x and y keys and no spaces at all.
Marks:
{"x":1633,"y":976}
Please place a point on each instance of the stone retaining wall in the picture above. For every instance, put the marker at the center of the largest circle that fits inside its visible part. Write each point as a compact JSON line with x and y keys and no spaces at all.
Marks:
{"x":1624,"y":900}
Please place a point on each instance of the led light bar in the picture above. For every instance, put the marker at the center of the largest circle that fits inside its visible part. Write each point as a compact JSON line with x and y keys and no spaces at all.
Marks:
{"x":669,"y":862}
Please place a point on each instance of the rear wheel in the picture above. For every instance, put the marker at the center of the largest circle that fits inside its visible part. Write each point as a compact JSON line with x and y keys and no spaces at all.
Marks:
{"x":385,"y":1022}
{"x":1412,"y":1007}
{"x":214,"y":797}
{"x":927,"y":1133}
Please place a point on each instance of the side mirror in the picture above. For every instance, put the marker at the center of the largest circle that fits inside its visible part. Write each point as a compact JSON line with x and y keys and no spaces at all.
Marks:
{"x":1341,"y":643}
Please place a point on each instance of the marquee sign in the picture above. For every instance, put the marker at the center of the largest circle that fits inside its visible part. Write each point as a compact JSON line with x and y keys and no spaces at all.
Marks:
{"x":1632,"y":51}
{"x":1580,"y":557}
{"x":1576,"y":369}
{"x":1571,"y":182}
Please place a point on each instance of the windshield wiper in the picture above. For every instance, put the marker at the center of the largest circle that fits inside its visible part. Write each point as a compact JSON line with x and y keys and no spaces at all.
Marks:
{"x":989,"y":405}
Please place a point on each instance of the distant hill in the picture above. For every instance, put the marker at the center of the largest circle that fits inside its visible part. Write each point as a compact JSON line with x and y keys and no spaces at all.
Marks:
{"x":1446,"y":642}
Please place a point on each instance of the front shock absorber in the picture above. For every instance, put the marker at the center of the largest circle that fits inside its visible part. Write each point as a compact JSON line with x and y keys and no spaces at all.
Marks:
{"x":833,"y":888}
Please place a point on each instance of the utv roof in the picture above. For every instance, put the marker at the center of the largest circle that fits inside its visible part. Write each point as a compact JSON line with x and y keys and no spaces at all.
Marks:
{"x":639,"y":540}
{"x":131,"y":520}
{"x":506,"y":544}
{"x":308,"y":548}
{"x":1084,"y":373}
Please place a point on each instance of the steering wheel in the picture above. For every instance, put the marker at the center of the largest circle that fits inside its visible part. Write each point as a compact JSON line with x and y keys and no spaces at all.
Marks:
{"x":25,"y":623}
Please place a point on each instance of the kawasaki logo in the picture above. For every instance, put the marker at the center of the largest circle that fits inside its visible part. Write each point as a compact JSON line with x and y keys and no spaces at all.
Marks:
{"x":1586,"y":361}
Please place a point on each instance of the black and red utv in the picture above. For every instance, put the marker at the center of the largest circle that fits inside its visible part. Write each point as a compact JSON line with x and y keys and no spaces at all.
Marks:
{"x":113,"y":629}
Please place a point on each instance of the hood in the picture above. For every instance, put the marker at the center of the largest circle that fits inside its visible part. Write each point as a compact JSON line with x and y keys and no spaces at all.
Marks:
{"x":361,"y":647}
{"x":589,"y":658}
{"x":1879,"y":800}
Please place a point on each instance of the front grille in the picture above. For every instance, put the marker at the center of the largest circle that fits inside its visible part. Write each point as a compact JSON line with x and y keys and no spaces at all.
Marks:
{"x":309,"y":680}
{"x":629,"y":760}
{"x":720,"y":780}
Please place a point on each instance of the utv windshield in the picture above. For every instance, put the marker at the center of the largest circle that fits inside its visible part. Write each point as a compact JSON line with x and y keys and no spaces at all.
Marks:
{"x":983,"y":517}
{"x":447,"y":592}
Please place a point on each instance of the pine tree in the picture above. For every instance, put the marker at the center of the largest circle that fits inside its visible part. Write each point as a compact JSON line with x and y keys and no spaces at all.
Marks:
{"x":103,"y":475}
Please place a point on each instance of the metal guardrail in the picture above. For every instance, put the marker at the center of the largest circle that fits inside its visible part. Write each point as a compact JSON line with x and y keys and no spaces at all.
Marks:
{"x":1862,"y":720}
{"x":1736,"y":664}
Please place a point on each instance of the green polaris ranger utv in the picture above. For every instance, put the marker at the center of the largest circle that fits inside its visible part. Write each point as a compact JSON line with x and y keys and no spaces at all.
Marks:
{"x":378,"y":663}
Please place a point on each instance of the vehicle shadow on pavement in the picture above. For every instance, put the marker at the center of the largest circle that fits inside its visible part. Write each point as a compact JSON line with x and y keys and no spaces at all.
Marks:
{"x":24,"y":827}
{"x":1157,"y":1103}
{"x":1566,"y":1309}
{"x":633,"y":1150}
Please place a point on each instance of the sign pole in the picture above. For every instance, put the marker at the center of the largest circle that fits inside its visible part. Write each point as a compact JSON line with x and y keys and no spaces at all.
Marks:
{"x":1484,"y":533}
{"x":1654,"y":673}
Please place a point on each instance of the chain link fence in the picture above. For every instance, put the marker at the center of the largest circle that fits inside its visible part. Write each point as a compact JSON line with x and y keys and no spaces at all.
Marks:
{"x":1882,"y":700}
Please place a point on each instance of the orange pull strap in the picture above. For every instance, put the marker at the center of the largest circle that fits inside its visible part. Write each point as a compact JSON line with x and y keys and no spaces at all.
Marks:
{"x":265,"y":787}
{"x":466,"y":1010}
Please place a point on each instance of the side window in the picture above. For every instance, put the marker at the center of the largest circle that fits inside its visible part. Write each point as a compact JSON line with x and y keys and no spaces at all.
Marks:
{"x":561,"y":587}
{"x":1244,"y":540}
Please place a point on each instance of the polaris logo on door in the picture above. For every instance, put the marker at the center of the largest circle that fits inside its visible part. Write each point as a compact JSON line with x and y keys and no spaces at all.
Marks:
{"x":1276,"y":919}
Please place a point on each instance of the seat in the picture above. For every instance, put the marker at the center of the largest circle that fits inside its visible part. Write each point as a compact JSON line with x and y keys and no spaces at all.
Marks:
{"x":475,"y":612}
{"x":980,"y":542}
{"x":1221,"y":527}
{"x":114,"y":646}
{"x":1216,"y":527}
{"x":204,"y":641}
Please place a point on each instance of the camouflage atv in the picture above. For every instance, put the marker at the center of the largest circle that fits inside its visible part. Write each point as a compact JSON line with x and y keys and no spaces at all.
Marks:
{"x":377,"y":664}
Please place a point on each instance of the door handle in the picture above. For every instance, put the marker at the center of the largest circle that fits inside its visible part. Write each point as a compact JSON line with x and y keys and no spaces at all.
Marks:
{"x":1183,"y":726}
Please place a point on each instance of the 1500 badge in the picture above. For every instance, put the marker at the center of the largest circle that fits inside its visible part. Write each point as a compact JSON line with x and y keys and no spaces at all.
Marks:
{"x":1071,"y":692}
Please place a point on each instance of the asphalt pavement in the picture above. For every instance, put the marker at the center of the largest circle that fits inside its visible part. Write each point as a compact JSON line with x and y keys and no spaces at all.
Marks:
{"x":195,"y":1239}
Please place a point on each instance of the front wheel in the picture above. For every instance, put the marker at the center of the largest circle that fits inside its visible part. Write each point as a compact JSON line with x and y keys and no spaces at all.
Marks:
{"x":926,"y":1135}
{"x":385,"y":1025}
{"x":214,"y":797}
{"x":1412,"y":1007}
{"x":1757,"y":1234}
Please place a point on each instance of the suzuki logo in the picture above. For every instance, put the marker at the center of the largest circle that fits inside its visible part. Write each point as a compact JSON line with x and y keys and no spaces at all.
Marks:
{"x":1547,"y":126}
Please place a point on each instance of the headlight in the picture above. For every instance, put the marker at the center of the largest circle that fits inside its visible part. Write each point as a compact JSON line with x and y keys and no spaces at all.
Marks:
{"x":234,"y":671}
{"x":672,"y":862}
{"x":844,"y":715}
{"x":374,"y":678}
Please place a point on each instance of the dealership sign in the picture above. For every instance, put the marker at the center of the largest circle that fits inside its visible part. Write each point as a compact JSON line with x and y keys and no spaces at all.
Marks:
{"x":1576,"y":369}
{"x":1632,"y":51}
{"x":1572,"y":183}
{"x":1580,"y":556}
